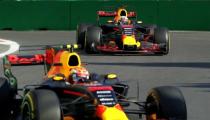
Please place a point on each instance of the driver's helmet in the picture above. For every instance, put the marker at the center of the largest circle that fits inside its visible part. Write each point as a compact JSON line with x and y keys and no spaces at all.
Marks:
{"x":124,"y":20}
{"x":79,"y":74}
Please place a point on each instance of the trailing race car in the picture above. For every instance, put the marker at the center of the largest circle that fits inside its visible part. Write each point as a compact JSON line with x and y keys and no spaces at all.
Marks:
{"x":122,"y":34}
{"x":69,"y":92}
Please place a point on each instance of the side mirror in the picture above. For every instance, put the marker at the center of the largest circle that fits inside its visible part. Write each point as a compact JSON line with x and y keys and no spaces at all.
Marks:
{"x":110,"y":21}
{"x":139,"y":22}
{"x":59,"y":78}
{"x":111,"y":76}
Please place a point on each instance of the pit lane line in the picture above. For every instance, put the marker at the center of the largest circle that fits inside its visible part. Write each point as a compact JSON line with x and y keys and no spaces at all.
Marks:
{"x":13,"y":47}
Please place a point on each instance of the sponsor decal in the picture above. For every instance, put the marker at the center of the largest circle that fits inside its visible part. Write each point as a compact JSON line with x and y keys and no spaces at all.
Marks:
{"x":106,"y":97}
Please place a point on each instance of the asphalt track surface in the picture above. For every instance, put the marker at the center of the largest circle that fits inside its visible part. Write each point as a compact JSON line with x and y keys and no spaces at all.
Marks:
{"x":187,"y":66}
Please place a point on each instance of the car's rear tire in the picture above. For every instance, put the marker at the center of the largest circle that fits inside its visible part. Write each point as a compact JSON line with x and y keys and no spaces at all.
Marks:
{"x":162,"y":37}
{"x":41,"y":105}
{"x":5,"y":98}
{"x":80,"y":33}
{"x":92,"y":39}
{"x":166,"y":102}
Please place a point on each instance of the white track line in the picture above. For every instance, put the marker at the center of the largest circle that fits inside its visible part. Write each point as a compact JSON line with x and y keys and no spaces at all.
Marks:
{"x":13,"y":46}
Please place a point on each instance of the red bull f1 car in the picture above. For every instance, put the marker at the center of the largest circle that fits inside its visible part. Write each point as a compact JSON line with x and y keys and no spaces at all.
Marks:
{"x":122,"y":34}
{"x":70,"y":92}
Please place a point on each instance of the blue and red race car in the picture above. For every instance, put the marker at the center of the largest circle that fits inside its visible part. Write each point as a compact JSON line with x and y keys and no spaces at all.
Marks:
{"x":122,"y":33}
{"x":70,"y":92}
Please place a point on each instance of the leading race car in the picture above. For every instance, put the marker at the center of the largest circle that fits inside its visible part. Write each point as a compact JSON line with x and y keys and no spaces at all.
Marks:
{"x":122,"y":34}
{"x":70,"y":92}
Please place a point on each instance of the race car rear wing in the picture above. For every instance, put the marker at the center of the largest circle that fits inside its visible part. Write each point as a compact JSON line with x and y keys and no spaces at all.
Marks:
{"x":112,"y":14}
{"x":106,"y":13}
{"x":34,"y":59}
{"x":15,"y":60}
{"x":132,"y":14}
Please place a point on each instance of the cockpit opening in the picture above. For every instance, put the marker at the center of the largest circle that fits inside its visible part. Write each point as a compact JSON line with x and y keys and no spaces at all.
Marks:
{"x":73,"y":60}
{"x":123,"y":13}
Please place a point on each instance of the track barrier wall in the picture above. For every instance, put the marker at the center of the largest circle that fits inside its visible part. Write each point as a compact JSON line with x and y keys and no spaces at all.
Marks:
{"x":65,"y":15}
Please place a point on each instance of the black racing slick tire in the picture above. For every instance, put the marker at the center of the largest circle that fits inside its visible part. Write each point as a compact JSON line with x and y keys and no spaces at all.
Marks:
{"x":4,"y":90}
{"x":41,"y":105}
{"x":166,"y":102}
{"x":5,"y":98}
{"x":152,"y":29}
{"x":92,"y":39}
{"x":80,"y":34}
{"x":162,"y":37}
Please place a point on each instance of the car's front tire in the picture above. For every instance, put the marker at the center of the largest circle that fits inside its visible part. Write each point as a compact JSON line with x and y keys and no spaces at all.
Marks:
{"x":41,"y":105}
{"x":80,"y":34}
{"x":166,"y":102}
{"x":5,"y":99}
{"x":162,"y":37}
{"x":92,"y":39}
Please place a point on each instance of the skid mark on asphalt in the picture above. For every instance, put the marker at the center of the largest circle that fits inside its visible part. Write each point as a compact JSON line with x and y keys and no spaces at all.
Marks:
{"x":13,"y":46}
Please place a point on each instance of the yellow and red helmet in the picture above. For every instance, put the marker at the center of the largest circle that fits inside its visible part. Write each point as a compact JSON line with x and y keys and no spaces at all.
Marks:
{"x":79,"y":74}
